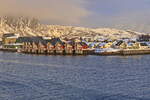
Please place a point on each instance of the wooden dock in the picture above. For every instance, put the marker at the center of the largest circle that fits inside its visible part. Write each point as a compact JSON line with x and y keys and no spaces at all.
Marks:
{"x":135,"y":52}
{"x":127,"y":52}
{"x":54,"y":52}
{"x":84,"y":52}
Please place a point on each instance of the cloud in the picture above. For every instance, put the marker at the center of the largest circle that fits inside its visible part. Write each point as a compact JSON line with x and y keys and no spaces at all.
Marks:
{"x":122,"y":14}
{"x":137,"y":20}
{"x":52,"y":11}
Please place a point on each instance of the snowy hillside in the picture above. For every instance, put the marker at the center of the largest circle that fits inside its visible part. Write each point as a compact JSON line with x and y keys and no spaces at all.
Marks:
{"x":31,"y":27}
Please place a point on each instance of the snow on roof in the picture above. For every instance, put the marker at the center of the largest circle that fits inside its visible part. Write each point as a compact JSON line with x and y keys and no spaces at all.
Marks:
{"x":15,"y":44}
{"x":143,"y":44}
{"x":148,"y":43}
{"x":12,"y":37}
{"x":130,"y":43}
{"x":47,"y":38}
{"x":102,"y":44}
{"x":92,"y":44}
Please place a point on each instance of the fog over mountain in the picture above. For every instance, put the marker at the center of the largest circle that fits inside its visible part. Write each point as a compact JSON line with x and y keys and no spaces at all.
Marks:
{"x":120,"y":14}
{"x":47,"y":11}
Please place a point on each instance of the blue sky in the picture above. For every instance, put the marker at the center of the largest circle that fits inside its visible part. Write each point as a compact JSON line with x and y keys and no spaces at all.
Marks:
{"x":127,"y":14}
{"x":118,"y":6}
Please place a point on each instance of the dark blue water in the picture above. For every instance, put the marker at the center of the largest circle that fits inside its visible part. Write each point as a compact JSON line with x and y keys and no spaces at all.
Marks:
{"x":30,"y":77}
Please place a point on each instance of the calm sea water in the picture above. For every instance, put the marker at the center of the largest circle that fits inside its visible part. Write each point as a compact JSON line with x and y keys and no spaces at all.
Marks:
{"x":32,"y":77}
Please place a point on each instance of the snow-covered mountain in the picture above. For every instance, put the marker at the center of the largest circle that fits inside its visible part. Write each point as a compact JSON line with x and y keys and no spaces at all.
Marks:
{"x":31,"y":27}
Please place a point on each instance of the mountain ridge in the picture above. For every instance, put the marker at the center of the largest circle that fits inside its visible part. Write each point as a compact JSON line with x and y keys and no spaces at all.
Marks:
{"x":32,"y":27}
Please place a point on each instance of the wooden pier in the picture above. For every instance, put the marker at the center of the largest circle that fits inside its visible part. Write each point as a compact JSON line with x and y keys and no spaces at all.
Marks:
{"x":127,"y":52}
{"x":135,"y":52}
{"x":57,"y":52}
{"x":84,"y":52}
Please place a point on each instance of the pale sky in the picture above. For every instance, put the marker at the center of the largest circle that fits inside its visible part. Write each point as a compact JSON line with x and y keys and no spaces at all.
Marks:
{"x":126,"y":14}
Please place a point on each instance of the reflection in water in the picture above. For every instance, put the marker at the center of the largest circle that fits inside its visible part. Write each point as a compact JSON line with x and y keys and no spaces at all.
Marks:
{"x":31,"y":77}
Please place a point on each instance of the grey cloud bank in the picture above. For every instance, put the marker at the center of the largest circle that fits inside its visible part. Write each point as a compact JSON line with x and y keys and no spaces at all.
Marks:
{"x":123,"y":14}
{"x":59,"y":11}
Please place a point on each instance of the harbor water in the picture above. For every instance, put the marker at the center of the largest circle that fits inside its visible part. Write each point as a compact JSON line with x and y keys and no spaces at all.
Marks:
{"x":38,"y":77}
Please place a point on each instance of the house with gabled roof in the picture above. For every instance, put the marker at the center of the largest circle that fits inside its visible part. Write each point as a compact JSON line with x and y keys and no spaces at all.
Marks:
{"x":80,"y":47}
{"x":60,"y":47}
{"x":42,"y":47}
{"x":143,"y":45}
{"x":32,"y":44}
{"x":9,"y":38}
{"x":120,"y":44}
{"x":70,"y":47}
{"x":55,"y":46}
{"x":50,"y":48}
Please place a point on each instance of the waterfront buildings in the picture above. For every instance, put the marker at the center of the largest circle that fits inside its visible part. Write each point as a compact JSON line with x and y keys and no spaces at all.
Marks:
{"x":72,"y":46}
